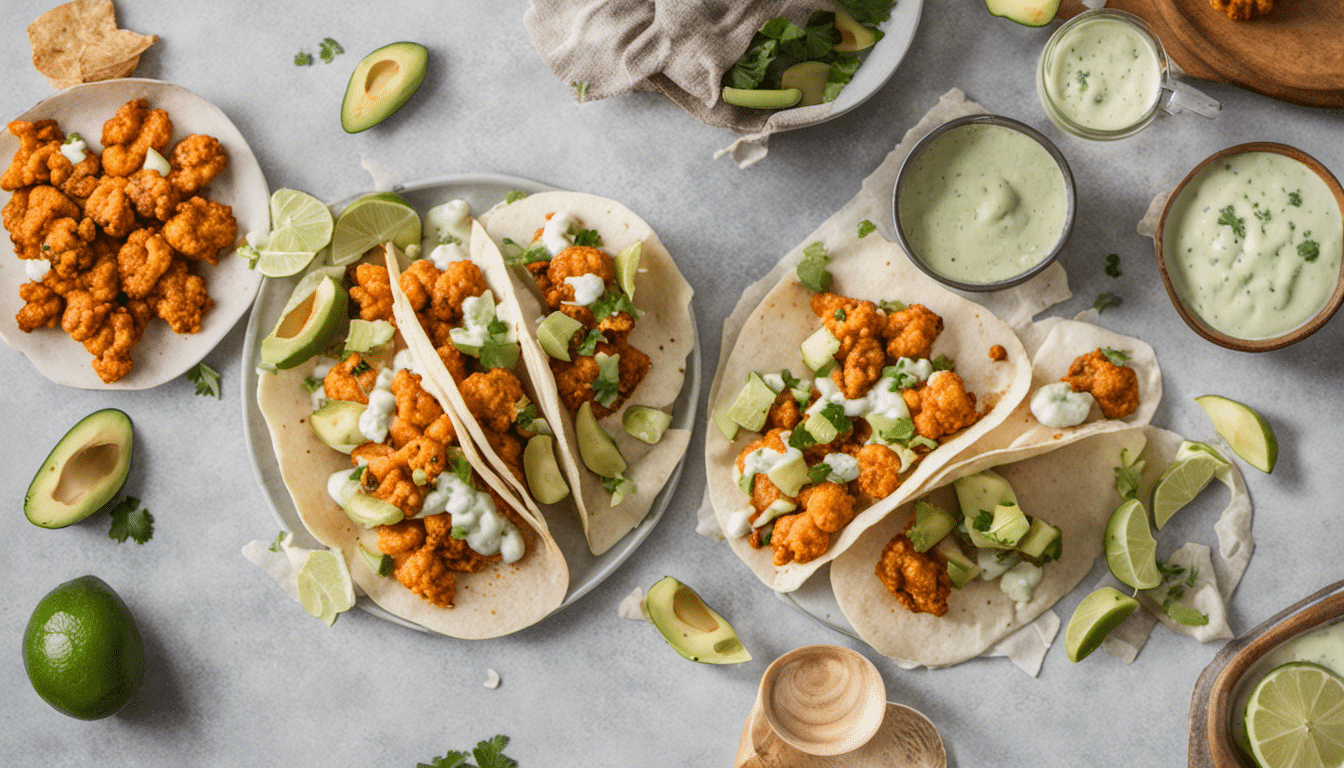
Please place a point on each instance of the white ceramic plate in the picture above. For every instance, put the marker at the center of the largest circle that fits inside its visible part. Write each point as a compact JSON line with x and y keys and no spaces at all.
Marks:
{"x":482,"y":191}
{"x":161,"y":354}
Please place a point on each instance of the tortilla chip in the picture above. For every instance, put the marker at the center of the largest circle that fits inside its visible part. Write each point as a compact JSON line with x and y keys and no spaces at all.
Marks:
{"x":79,"y":42}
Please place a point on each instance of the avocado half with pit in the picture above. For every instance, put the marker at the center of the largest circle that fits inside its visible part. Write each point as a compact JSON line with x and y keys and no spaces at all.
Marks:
{"x":310,"y":319}
{"x":382,"y":82}
{"x":692,"y":628}
{"x":1032,"y":13}
{"x":83,"y":472}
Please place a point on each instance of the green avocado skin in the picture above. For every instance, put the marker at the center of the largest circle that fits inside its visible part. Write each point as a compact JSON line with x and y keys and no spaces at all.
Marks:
{"x":407,"y":61}
{"x":102,"y":441}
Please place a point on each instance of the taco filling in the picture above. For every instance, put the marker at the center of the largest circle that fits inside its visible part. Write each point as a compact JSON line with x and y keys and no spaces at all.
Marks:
{"x":835,"y":445}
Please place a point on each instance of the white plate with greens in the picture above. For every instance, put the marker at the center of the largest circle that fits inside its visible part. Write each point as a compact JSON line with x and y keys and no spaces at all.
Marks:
{"x":482,"y":191}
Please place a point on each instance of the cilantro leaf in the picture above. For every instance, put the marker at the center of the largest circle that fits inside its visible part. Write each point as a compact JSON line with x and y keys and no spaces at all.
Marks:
{"x":809,"y":43}
{"x":279,"y":543}
{"x":750,"y":70}
{"x":605,"y":391}
{"x":900,"y":431}
{"x":812,"y":271}
{"x":312,"y":383}
{"x":1167,"y":569}
{"x":330,"y":49}
{"x":462,"y":468}
{"x":1116,"y":356}
{"x":526,"y":415}
{"x":982,"y":520}
{"x":537,"y":251}
{"x":453,"y":759}
{"x":588,"y":238}
{"x":458,"y":532}
{"x":303,"y":59}
{"x":801,"y":438}
{"x":838,"y":76}
{"x":1106,"y":300}
{"x":891,"y":305}
{"x":790,"y":381}
{"x":835,"y":413}
{"x":866,"y":228}
{"x":1113,"y":265}
{"x":1194,"y":574}
{"x":1228,"y":217}
{"x":818,"y":473}
{"x":206,"y":380}
{"x":130,"y":520}
{"x":490,"y":753}
{"x":613,"y":301}
{"x":1309,"y":250}
{"x":944,"y":363}
{"x":514,"y":196}
{"x":839,"y":315}
{"x":589,"y":344}
{"x":1128,"y":475}
{"x":1295,"y":198}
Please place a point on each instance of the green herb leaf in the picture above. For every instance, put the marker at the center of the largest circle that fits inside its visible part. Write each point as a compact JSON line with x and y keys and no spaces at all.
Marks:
{"x":1168,"y":570}
{"x":537,"y":251}
{"x":1228,"y":217}
{"x":589,"y":344}
{"x":1309,"y":250}
{"x":361,"y":367}
{"x":462,"y":468}
{"x":1295,"y":198}
{"x":1128,"y":475}
{"x":1113,"y":265}
{"x":581,"y":90}
{"x":358,"y":472}
{"x":839,"y":315}
{"x":835,"y":413}
{"x":838,"y":76}
{"x":498,"y":353}
{"x":983,"y":519}
{"x":588,"y":238}
{"x":1082,"y":80}
{"x":812,"y":271}
{"x":750,"y":70}
{"x":303,"y":59}
{"x":458,"y":532}
{"x":330,"y":49}
{"x":514,"y":196}
{"x":206,"y":380}
{"x":1262,"y":214}
{"x":890,"y":305}
{"x":817,"y":473}
{"x":526,"y":415}
{"x":944,"y":363}
{"x":790,"y":381}
{"x":1116,"y":356}
{"x":866,"y":228}
{"x":312,"y":383}
{"x":490,"y":753}
{"x":899,"y":432}
{"x":801,"y":438}
{"x":453,"y":759}
{"x":1106,"y":300}
{"x":279,"y":543}
{"x":613,"y":301}
{"x":868,"y":12}
{"x":130,"y":520}
{"x":1194,"y":574}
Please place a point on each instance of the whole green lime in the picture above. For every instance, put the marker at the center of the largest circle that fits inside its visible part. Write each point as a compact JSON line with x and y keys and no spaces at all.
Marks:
{"x":82,"y":649}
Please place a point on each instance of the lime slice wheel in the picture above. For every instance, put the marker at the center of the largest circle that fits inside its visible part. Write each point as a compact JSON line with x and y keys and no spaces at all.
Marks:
{"x":1295,"y":717}
{"x":325,"y":588}
{"x":1094,"y":618}
{"x":1180,"y":484}
{"x":372,"y":220}
{"x":1249,"y":433}
{"x":300,"y":227}
{"x":1131,"y":550}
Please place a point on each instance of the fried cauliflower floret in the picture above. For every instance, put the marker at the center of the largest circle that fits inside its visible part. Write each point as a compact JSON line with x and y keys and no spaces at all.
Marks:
{"x":400,"y":538}
{"x":102,"y":281}
{"x":83,"y":178}
{"x":417,"y":282}
{"x":911,"y":332}
{"x":849,"y":320}
{"x":111,"y":345}
{"x":372,"y":291}
{"x":918,"y":580}
{"x":828,"y":504}
{"x":180,"y":298}
{"x":797,"y":538}
{"x":416,"y":409}
{"x":29,"y":214}
{"x":784,"y":412}
{"x":509,"y":449}
{"x":111,"y":208}
{"x":68,"y":246}
{"x":43,"y":307}
{"x":195,"y":161}
{"x":575,"y":261}
{"x":941,"y":406}
{"x":763,"y":491}
{"x":574,"y":380}
{"x":200,"y":229}
{"x":454,"y":360}
{"x":427,"y":576}
{"x":350,"y":380}
{"x":390,"y":479}
{"x":1240,"y":10}
{"x":879,"y":470}
{"x":130,"y":133}
{"x":455,"y":553}
{"x":152,"y":195}
{"x":492,"y":397}
{"x":459,"y":281}
{"x":39,"y":157}
{"x":84,"y":316}
{"x":442,"y":430}
{"x":861,"y":368}
{"x":144,"y":259}
{"x":1115,"y":387}
{"x":633,"y":366}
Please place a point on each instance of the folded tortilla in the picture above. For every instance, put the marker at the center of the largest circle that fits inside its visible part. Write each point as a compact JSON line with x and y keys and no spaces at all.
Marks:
{"x":499,"y":600}
{"x":665,"y":332}
{"x":1072,"y":487}
{"x":876,"y":270}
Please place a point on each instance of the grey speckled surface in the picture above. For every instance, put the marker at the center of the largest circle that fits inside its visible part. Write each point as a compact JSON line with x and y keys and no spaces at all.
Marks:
{"x":241,"y":676}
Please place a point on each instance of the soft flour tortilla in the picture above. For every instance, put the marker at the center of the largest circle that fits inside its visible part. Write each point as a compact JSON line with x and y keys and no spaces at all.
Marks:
{"x":498,"y":600}
{"x":872,"y":269}
{"x":1053,"y":344}
{"x":1073,"y":488}
{"x":664,"y":333}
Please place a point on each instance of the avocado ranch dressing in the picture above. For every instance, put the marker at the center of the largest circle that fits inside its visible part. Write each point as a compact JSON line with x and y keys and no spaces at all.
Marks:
{"x":983,"y":203}
{"x":1253,"y":244}
{"x":1102,"y":74}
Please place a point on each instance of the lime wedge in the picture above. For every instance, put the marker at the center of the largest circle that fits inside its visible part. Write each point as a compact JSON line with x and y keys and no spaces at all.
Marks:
{"x":1094,"y":618}
{"x":300,"y":227}
{"x":1180,"y":483}
{"x":627,"y":264}
{"x":1295,"y":717}
{"x":371,"y":220}
{"x":1131,"y":550}
{"x":1244,"y":429}
{"x":324,"y":584}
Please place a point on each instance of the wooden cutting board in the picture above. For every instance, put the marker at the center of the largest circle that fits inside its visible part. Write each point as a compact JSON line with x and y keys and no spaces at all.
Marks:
{"x":1296,"y":53}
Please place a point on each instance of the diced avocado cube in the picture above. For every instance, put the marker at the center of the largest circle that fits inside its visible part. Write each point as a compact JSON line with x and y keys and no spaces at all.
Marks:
{"x":1043,"y":543}
{"x":337,"y":424}
{"x":1008,"y":527}
{"x":820,"y":428}
{"x":959,"y":567}
{"x":980,"y":493}
{"x":645,"y":423}
{"x":378,"y":562}
{"x":790,"y":475}
{"x":726,"y":424}
{"x":932,"y":523}
{"x":819,"y":351}
{"x":752,"y":404}
{"x":554,"y":334}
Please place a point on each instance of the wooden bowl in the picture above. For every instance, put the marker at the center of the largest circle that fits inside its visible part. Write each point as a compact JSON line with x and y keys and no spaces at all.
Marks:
{"x":1193,"y":320}
{"x":1212,"y":743}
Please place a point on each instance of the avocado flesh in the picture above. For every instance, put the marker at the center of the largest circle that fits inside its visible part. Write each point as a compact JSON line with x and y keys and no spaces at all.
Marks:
{"x":983,"y":491}
{"x":932,"y":523}
{"x":1032,"y":13}
{"x":854,"y":36}
{"x":596,"y":448}
{"x":382,"y":82}
{"x":544,"y":478}
{"x":83,"y":472}
{"x":692,"y":628}
{"x":762,"y":99}
{"x":307,"y":325}
{"x":809,"y":77}
{"x":337,"y":424}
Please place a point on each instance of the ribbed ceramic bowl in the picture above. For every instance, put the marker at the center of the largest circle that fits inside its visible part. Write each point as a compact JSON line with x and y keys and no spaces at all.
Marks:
{"x":1197,"y":323}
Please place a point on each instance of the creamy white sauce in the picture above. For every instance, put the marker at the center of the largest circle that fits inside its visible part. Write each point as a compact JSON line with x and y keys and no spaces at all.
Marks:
{"x":487,"y":531}
{"x":983,"y":203}
{"x":588,"y":288}
{"x":739,"y":523}
{"x":995,"y":562}
{"x":446,"y":253}
{"x":1103,"y":74}
{"x":844,"y":467}
{"x":1246,"y":259}
{"x":75,"y":149}
{"x":1057,"y":405}
{"x":450,"y":220}
{"x":555,"y":235}
{"x":36,"y":269}
{"x":830,"y":393}
{"x":340,"y":486}
{"x":1019,"y":581}
{"x":373,"y":421}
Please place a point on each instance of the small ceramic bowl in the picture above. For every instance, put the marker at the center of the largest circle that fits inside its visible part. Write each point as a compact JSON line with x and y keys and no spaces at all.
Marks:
{"x":1213,"y":711}
{"x":1191,"y":318}
{"x":902,"y":177}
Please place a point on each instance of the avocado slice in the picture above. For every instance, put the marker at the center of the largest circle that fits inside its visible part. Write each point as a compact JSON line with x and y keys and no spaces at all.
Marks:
{"x":809,"y":77}
{"x":312,"y":317}
{"x":692,"y":628}
{"x":1032,"y":13}
{"x":985,"y":492}
{"x":555,"y":332}
{"x":337,"y":424}
{"x":381,"y":83}
{"x":763,"y":98}
{"x":370,"y":511}
{"x":596,"y":448}
{"x":646,"y":423}
{"x":83,"y":472}
{"x":932,"y":523}
{"x":854,"y":36}
{"x":544,"y":479}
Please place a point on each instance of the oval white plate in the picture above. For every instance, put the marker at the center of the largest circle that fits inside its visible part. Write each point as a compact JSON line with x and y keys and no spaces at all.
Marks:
{"x":161,"y":354}
{"x":481,"y":190}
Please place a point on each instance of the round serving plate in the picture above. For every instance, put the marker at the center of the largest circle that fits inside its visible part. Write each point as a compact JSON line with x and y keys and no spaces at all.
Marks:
{"x":481,"y":191}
